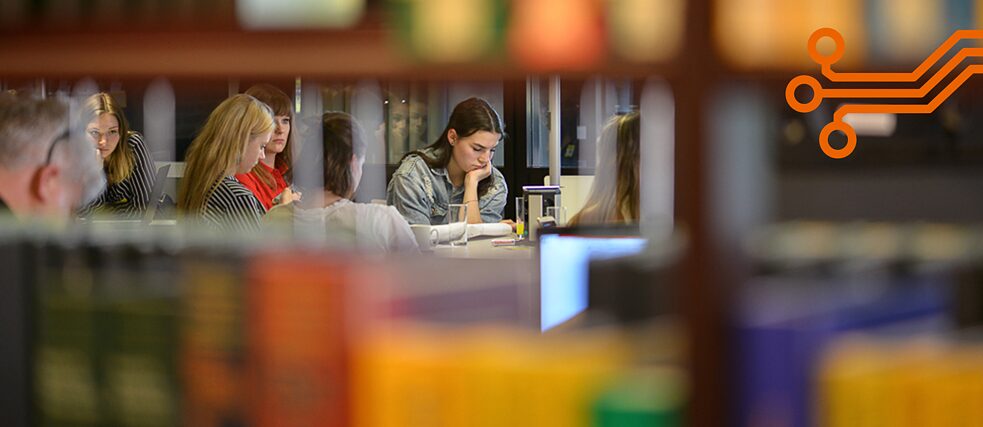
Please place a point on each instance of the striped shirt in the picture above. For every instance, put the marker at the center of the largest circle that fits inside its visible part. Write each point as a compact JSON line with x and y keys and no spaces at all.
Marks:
{"x":231,"y":207}
{"x":130,"y":197}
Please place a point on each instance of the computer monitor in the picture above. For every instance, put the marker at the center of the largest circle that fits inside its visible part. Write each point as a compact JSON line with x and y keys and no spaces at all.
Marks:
{"x":564,"y":259}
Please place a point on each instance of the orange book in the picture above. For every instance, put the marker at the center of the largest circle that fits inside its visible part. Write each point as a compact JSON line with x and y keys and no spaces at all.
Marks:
{"x":297,"y":340}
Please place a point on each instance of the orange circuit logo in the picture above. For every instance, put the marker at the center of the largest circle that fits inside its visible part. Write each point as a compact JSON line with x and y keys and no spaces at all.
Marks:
{"x":916,"y":94}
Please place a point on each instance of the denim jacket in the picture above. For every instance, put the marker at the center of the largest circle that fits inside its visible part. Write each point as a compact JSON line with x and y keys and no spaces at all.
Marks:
{"x":422,"y":194}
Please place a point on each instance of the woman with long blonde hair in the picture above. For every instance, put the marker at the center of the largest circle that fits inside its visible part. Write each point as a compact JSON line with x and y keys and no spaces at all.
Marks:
{"x":614,"y":198}
{"x":232,"y":141}
{"x":270,"y":179}
{"x":128,"y":166}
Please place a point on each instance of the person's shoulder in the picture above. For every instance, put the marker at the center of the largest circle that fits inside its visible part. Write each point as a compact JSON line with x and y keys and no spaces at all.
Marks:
{"x":373,"y":209}
{"x":412,"y":164}
{"x":232,"y":188}
{"x":498,"y":174}
{"x":499,"y":183}
{"x":135,"y":139}
{"x":377,"y":211}
{"x":137,"y":145}
{"x":248,"y":179}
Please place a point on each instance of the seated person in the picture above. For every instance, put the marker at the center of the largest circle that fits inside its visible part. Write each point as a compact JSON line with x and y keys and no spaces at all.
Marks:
{"x":613,"y":197}
{"x":271,"y":176}
{"x":232,"y":141}
{"x":456,"y":168}
{"x":367,"y":226}
{"x":129,"y":169}
{"x":46,"y":173}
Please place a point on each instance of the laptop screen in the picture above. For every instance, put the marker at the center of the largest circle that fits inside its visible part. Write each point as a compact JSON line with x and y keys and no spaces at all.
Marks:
{"x":564,"y":259}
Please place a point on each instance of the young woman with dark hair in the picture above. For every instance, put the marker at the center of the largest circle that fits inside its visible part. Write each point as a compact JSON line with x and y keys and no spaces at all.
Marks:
{"x":456,"y":168}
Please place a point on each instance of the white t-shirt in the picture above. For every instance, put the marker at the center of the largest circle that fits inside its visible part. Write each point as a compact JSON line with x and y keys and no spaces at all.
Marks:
{"x":369,"y":227}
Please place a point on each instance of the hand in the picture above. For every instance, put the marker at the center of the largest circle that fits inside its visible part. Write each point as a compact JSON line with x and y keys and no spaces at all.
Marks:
{"x":475,"y":176}
{"x":509,"y":222}
{"x":287,"y":197}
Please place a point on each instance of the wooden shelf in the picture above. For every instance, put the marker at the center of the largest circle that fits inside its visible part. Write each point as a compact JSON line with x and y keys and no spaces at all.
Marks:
{"x":205,"y":54}
{"x":198,"y":54}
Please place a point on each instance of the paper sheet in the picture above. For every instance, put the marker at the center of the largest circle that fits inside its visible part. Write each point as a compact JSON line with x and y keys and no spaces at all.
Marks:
{"x":447,"y":232}
{"x":489,"y":229}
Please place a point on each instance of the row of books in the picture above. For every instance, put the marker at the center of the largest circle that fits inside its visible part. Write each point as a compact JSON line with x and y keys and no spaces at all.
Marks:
{"x":815,"y":283}
{"x":866,"y":380}
{"x":138,"y":333}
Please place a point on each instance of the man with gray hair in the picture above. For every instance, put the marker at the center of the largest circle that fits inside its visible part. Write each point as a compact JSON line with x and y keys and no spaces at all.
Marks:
{"x":45,"y":172}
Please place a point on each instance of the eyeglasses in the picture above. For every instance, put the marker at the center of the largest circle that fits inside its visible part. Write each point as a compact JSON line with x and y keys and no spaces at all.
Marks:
{"x":51,"y":148}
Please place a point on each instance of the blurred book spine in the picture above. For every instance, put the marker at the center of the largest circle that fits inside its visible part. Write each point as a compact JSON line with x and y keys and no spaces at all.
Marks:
{"x":212,"y":341}
{"x":297,"y":340}
{"x":782,"y":336}
{"x":17,"y":262}
{"x":438,"y":376}
{"x":865,"y":381}
{"x":67,"y":379}
{"x":105,"y":346}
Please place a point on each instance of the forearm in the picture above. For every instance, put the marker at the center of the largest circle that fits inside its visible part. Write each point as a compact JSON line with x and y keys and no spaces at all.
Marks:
{"x":471,"y":199}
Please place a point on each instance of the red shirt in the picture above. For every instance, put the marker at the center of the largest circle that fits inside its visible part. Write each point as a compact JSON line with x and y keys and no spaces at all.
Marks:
{"x":262,"y":192}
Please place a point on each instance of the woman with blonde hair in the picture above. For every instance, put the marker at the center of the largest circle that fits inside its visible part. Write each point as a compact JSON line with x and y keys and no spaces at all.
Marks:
{"x":128,"y":166}
{"x":614,"y":198}
{"x":232,"y":141}
{"x":270,"y":179}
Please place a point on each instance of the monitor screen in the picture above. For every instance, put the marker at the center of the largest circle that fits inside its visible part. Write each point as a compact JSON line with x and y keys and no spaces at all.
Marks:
{"x":563,"y":266}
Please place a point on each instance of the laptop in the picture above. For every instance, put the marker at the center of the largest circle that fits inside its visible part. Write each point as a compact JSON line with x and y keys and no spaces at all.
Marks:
{"x":157,"y":193}
{"x":153,"y":203}
{"x":564,"y":258}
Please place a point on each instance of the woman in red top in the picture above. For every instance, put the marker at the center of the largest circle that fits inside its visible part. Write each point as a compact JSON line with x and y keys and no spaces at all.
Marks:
{"x":270,"y":178}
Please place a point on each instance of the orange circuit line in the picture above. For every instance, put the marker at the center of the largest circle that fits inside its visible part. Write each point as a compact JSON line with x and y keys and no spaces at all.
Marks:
{"x":910,"y":108}
{"x":833,"y":76}
{"x":906,"y":93}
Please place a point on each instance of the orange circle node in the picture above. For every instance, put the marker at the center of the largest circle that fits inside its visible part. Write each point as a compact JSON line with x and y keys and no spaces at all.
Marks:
{"x":814,"y":44}
{"x":851,"y":140}
{"x":817,"y":93}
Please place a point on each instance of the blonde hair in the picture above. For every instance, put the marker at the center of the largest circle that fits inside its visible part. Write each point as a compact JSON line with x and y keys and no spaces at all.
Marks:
{"x":614,"y":196}
{"x":119,"y":164}
{"x":216,"y":151}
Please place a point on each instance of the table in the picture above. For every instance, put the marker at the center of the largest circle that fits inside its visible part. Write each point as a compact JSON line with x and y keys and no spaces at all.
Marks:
{"x":481,"y":247}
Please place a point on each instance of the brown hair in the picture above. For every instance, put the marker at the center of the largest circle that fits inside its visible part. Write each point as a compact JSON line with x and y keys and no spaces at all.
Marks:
{"x":614,"y":195}
{"x":469,"y":117}
{"x":216,"y":150}
{"x":281,"y":105}
{"x":343,"y":138}
{"x":119,"y":164}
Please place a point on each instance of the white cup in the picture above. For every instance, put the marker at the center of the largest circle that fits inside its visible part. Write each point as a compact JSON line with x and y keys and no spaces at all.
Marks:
{"x":426,"y":236}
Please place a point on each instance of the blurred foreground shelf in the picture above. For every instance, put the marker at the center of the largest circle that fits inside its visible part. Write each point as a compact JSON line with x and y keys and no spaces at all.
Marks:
{"x":197,"y":54}
{"x":204,"y":54}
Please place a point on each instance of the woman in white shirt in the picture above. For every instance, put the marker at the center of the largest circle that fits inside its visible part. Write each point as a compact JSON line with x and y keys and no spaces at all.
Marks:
{"x":369,"y":227}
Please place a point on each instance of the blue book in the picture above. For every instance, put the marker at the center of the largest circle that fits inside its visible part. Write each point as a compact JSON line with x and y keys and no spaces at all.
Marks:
{"x":784,"y":324}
